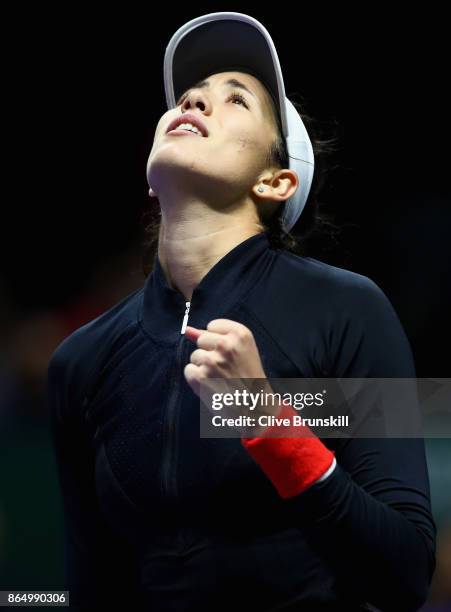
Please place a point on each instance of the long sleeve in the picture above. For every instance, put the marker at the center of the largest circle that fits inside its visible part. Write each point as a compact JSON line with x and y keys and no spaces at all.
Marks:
{"x":98,"y":569}
{"x":370,"y":518}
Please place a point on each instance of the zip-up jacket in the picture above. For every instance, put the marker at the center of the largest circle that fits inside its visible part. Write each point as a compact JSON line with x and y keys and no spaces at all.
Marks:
{"x":158,"y":518}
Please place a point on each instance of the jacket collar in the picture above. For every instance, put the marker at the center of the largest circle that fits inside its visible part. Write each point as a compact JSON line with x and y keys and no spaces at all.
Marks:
{"x":163,"y":307}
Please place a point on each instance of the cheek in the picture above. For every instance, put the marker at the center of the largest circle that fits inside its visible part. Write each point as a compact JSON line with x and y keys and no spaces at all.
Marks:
{"x":243,"y":142}
{"x":250,"y":148}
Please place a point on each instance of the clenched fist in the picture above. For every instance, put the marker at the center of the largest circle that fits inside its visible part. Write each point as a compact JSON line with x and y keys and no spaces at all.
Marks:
{"x":227,"y":349}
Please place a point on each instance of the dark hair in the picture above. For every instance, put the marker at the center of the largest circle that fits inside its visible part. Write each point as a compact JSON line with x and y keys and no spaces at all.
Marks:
{"x":314,"y":221}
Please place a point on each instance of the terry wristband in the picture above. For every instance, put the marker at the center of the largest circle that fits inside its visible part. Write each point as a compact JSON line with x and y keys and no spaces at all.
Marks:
{"x":293,"y":463}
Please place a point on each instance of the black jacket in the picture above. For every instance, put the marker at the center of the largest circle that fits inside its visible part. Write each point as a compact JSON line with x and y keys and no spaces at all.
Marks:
{"x":158,"y":518}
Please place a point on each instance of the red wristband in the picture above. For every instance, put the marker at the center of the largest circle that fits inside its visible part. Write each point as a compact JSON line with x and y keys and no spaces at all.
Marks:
{"x":291,"y":463}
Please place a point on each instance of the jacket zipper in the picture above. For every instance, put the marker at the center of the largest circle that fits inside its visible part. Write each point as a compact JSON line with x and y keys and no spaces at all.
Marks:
{"x":169,"y":463}
{"x":185,"y":318}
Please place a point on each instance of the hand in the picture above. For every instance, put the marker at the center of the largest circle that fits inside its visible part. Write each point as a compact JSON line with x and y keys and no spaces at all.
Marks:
{"x":227,"y":350}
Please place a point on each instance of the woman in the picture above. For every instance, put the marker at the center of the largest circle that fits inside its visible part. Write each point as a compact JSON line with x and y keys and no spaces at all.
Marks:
{"x":160,"y":518}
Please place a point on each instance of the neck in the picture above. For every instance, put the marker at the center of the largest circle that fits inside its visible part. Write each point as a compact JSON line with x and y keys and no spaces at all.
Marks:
{"x":190,"y":245}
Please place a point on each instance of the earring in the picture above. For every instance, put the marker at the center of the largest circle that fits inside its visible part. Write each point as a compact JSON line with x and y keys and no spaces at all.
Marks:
{"x":261,"y":189}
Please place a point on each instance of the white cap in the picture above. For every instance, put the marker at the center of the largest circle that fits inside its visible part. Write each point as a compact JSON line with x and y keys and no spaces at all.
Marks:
{"x":220,"y":42}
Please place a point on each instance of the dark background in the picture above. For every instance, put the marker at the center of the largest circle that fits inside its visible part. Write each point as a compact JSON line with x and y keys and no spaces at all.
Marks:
{"x":83,"y":92}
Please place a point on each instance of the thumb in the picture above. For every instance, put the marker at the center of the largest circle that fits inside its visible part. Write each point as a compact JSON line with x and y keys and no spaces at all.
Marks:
{"x":192,"y":333}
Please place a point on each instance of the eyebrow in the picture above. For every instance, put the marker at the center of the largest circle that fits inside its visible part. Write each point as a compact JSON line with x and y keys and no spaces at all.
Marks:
{"x":231,"y":82}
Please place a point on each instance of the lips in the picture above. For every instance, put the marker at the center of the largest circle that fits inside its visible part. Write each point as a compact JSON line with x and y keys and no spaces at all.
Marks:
{"x":188,"y":118}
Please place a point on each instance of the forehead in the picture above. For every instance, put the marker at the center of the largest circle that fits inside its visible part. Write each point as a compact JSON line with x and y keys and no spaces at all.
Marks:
{"x":247,"y":79}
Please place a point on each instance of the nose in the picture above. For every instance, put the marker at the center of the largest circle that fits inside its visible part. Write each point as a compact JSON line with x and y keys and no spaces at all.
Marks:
{"x":196,"y":98}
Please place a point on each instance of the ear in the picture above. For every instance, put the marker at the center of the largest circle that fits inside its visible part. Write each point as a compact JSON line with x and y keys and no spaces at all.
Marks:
{"x":278,"y":186}
{"x":152,"y":193}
